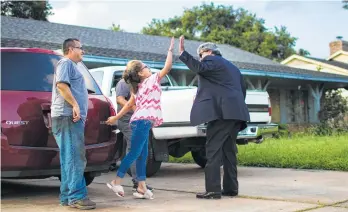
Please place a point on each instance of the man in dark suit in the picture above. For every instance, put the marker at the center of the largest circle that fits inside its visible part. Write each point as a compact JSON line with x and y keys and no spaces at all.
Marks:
{"x":220,"y":102}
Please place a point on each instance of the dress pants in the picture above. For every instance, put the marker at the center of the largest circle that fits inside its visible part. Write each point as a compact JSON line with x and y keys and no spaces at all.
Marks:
{"x":221,"y":148}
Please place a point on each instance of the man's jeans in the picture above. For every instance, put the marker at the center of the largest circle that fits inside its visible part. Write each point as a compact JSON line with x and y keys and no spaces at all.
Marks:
{"x":138,"y":151}
{"x":71,"y":142}
{"x":123,"y":126}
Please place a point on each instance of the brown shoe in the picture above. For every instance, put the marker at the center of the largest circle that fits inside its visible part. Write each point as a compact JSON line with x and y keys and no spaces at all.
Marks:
{"x":84,"y":204}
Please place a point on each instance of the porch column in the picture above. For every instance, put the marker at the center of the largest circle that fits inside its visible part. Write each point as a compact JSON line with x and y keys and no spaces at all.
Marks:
{"x":283,"y":107}
{"x":267,"y":83}
{"x":317,"y":92}
{"x":251,"y":86}
{"x":193,"y":80}
{"x":259,"y":85}
{"x":182,"y":78}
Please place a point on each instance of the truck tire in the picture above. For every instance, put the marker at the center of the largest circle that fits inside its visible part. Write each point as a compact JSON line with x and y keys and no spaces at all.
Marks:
{"x":199,"y":157}
{"x":152,"y":166}
{"x":88,"y":178}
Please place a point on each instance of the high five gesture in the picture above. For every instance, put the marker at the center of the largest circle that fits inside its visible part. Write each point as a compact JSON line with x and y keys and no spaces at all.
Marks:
{"x":169,"y":61}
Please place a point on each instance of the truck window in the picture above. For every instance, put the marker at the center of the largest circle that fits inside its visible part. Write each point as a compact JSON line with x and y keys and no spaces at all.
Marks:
{"x":116,"y":78}
{"x":165,"y":81}
{"x":90,"y":82}
{"x":98,"y":76}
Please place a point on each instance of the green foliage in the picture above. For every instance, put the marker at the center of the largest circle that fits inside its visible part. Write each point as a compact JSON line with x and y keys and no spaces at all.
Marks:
{"x":333,"y":115}
{"x":345,"y":4}
{"x":309,"y":152}
{"x":283,"y":131}
{"x":116,"y":28}
{"x":226,"y":25}
{"x":302,"y":152}
{"x":38,"y":10}
{"x":303,"y":52}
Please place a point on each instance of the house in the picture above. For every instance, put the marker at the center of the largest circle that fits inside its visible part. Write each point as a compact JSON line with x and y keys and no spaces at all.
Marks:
{"x":335,"y":63}
{"x":295,"y":93}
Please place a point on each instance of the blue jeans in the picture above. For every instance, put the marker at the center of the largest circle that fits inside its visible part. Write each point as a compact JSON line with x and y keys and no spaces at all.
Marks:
{"x":123,"y":126}
{"x":71,"y":142}
{"x":138,"y":151}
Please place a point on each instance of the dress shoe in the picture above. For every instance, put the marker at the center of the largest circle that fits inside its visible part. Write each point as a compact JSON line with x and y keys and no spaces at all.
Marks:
{"x":209,"y":195}
{"x":229,"y":193}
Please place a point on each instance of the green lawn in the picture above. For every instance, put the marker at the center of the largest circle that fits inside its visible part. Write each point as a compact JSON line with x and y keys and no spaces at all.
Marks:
{"x":306,"y":152}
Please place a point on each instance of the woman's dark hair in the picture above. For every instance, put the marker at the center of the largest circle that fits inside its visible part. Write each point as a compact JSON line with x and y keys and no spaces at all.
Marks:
{"x":131,"y":74}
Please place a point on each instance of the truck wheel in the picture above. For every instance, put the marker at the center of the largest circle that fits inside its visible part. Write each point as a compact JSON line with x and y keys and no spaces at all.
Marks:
{"x":152,"y":166}
{"x":199,"y":157}
{"x":88,"y":177}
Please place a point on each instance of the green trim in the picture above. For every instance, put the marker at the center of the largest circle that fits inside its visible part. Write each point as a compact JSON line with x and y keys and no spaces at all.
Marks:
{"x":247,"y":72}
{"x":123,"y":62}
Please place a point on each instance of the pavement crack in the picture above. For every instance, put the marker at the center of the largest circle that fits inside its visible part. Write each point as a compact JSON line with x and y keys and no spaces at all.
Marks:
{"x":335,"y":204}
{"x":312,"y":208}
{"x":245,"y":196}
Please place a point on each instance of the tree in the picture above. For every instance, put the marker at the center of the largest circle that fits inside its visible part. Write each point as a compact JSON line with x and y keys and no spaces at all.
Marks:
{"x":38,"y":10}
{"x":345,"y":4}
{"x":226,"y":25}
{"x":116,"y":28}
{"x":303,"y":52}
{"x":333,"y":114}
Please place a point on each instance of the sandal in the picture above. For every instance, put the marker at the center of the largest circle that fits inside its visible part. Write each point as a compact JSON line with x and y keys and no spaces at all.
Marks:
{"x":118,"y":189}
{"x":147,"y":195}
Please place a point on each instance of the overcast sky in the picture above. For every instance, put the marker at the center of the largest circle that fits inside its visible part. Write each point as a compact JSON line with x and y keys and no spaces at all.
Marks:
{"x":314,"y":23}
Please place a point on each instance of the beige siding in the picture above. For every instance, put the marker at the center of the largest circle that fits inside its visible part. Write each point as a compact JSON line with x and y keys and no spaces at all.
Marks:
{"x":341,"y":58}
{"x":314,"y":67}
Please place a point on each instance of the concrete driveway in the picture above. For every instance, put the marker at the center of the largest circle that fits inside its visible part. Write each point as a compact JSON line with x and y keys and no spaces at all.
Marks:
{"x":261,"y":189}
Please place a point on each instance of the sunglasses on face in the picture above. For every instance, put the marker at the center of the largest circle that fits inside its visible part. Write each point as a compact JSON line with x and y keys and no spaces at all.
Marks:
{"x":144,"y":67}
{"x":79,"y":47}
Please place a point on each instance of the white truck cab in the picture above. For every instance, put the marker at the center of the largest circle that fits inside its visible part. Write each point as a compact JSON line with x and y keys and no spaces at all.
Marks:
{"x":176,"y":136}
{"x":176,"y":102}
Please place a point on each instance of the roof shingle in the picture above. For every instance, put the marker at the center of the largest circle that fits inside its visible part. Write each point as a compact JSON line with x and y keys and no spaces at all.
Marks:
{"x":27,"y":29}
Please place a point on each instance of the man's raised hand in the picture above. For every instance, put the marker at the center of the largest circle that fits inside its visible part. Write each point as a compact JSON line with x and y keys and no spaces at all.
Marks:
{"x":181,"y":44}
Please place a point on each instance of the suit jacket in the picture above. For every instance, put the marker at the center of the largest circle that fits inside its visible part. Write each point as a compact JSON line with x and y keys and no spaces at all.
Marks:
{"x":221,"y":90}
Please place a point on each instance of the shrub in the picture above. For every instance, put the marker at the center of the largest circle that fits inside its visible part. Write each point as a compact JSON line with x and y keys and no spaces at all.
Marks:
{"x":333,"y":114}
{"x":300,"y":152}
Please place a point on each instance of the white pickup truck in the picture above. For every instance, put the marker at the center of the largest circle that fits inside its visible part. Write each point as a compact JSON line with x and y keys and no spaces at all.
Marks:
{"x":176,"y":136}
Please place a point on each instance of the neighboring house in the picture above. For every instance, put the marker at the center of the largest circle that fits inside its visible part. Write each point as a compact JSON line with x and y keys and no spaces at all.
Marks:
{"x":336,"y":63}
{"x":295,"y":93}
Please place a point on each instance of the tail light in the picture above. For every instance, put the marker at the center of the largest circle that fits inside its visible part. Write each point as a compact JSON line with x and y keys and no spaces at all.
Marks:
{"x":269,"y":107}
{"x":111,"y":107}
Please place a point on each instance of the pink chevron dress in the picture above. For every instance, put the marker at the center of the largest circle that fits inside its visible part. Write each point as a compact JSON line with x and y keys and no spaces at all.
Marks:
{"x":148,"y":101}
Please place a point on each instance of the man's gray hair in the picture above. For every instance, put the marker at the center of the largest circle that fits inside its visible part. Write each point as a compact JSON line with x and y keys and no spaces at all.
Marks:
{"x":209,"y":46}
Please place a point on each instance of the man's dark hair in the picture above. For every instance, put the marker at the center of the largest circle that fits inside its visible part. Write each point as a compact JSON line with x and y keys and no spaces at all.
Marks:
{"x":216,"y":53}
{"x":70,"y":42}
